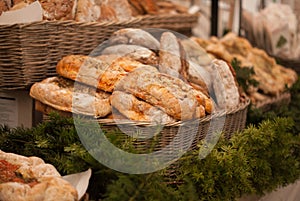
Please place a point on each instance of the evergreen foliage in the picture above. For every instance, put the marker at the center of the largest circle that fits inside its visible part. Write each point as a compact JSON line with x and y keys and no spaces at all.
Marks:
{"x":257,"y":160}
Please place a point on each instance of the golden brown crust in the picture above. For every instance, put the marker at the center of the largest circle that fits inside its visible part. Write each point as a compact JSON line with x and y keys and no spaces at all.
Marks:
{"x":138,"y":110}
{"x":61,"y":94}
{"x":90,"y":71}
{"x":58,"y":9}
{"x":136,"y":7}
{"x":5,"y":5}
{"x":107,"y":13}
{"x":170,"y":94}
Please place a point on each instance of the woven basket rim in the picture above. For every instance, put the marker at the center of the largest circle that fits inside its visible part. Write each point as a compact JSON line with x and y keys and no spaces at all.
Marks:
{"x":243,"y":105}
{"x":108,"y":23}
{"x":273,"y":100}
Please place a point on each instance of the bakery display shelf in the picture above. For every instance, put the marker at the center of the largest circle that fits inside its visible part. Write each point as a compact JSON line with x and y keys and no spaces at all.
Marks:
{"x":29,"y":52}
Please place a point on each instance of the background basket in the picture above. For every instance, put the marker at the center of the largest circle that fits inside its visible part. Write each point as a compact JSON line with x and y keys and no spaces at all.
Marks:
{"x":273,"y":102}
{"x":29,"y":52}
{"x":289,"y":63}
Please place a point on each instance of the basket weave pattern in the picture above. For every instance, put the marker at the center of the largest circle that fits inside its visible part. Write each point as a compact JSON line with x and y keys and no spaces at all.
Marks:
{"x":29,"y":52}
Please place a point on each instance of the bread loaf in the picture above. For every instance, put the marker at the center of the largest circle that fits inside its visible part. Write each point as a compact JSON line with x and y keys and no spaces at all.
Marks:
{"x":139,"y":53}
{"x":170,"y":94}
{"x":5,"y":5}
{"x":170,"y":55}
{"x":87,"y":11}
{"x":36,"y":180}
{"x":64,"y":95}
{"x":90,"y":71}
{"x":225,"y":86}
{"x":58,"y":9}
{"x":134,"y":36}
{"x":138,"y":110}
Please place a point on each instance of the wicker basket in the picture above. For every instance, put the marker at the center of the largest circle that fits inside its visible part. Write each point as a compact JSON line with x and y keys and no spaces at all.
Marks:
{"x":29,"y":52}
{"x":185,"y":132}
{"x":289,"y":63}
{"x":273,"y":102}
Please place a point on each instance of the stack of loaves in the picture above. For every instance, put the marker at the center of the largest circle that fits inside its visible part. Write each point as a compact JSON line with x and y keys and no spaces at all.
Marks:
{"x":144,"y":78}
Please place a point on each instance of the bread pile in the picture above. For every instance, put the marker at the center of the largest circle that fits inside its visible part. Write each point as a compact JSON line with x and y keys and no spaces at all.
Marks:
{"x":272,"y":77}
{"x":142,"y":77}
{"x":96,"y":10}
{"x":30,"y":178}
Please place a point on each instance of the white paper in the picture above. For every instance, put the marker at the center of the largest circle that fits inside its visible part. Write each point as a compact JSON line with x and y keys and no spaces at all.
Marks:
{"x":80,"y":181}
{"x":30,"y":13}
{"x":8,"y":111}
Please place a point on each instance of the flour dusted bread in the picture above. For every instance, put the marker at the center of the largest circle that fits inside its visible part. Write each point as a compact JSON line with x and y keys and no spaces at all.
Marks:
{"x":139,"y":53}
{"x":138,"y":110}
{"x":62,"y":95}
{"x":134,"y":36}
{"x":36,"y":180}
{"x":225,"y":86}
{"x":170,"y":55}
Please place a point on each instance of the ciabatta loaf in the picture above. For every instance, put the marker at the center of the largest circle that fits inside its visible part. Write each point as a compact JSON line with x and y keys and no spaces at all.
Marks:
{"x":64,"y":95}
{"x":170,"y":94}
{"x":30,"y":178}
{"x":90,"y":71}
{"x":138,"y":110}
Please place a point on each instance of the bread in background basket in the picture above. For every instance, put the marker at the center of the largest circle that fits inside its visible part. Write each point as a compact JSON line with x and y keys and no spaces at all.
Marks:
{"x":265,"y":79}
{"x":181,"y":90}
{"x":96,"y":10}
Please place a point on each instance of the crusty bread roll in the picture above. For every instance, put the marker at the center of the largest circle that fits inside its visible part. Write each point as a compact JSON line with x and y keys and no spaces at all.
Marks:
{"x":90,"y":71}
{"x":36,"y":181}
{"x":138,"y":110}
{"x":62,"y":95}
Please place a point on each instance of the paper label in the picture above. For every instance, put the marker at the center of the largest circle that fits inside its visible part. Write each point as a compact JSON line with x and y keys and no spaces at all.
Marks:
{"x":31,"y":13}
